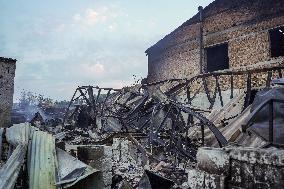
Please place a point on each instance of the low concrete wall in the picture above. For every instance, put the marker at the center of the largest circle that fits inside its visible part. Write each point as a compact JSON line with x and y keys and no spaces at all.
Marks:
{"x":238,"y":167}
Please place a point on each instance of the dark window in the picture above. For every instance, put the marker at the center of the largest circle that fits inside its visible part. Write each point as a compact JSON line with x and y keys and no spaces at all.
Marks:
{"x":277,"y":42}
{"x":217,"y":58}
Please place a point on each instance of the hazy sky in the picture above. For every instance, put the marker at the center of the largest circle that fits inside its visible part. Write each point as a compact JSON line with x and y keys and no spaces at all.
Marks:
{"x":61,"y":44}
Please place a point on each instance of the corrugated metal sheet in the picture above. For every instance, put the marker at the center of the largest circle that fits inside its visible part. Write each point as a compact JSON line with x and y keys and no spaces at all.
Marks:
{"x":71,"y":170}
{"x":42,"y":161}
{"x":43,"y":169}
{"x":1,"y":135}
{"x":18,"y":137}
{"x":19,"y":133}
{"x":10,"y":170}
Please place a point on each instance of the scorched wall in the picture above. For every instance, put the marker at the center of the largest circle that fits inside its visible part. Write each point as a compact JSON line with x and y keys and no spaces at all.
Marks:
{"x":7,"y":74}
{"x":243,"y":24}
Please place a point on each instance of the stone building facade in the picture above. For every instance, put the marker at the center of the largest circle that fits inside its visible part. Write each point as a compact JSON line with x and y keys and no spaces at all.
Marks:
{"x":7,"y":74}
{"x":227,"y":34}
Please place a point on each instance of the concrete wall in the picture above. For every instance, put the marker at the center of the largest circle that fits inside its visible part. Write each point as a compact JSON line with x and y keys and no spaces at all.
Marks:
{"x":100,"y":158}
{"x":244,"y":25}
{"x":122,"y":158}
{"x":127,"y":161}
{"x":238,"y":167}
{"x":7,"y":74}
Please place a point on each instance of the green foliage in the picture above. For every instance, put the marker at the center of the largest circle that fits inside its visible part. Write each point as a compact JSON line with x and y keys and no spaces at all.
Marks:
{"x":29,"y":98}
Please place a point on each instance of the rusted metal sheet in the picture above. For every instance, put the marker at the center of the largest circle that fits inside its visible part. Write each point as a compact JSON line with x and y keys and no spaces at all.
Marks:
{"x":42,"y":161}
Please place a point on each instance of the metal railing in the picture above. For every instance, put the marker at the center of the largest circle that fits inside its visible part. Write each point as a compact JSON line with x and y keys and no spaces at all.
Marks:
{"x":141,"y":116}
{"x":253,"y":115}
{"x":187,"y":83}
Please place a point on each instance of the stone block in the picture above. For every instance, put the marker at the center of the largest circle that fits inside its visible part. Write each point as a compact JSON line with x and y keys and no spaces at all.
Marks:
{"x":269,"y":156}
{"x":261,"y":173}
{"x":236,"y":173}
{"x":101,"y":164}
{"x":94,"y":152}
{"x":196,"y":178}
{"x":121,"y":148}
{"x":99,"y":157}
{"x":215,"y":181}
{"x":213,"y":160}
{"x":247,"y":174}
{"x":269,"y":174}
{"x":116,"y":155}
{"x":244,"y":168}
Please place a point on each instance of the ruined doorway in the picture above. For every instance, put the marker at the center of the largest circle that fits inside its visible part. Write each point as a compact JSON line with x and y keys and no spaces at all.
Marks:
{"x":277,"y":42}
{"x":217,"y":58}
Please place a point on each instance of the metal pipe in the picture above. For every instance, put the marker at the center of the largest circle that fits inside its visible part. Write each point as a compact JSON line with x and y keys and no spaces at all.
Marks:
{"x":200,"y":9}
{"x":232,"y":87}
{"x":268,"y":79}
{"x":202,"y":134}
{"x":271,"y":121}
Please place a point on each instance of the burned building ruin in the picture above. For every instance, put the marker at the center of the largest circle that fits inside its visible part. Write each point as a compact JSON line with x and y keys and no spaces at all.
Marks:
{"x":224,"y":35}
{"x":7,"y":74}
{"x":209,"y":114}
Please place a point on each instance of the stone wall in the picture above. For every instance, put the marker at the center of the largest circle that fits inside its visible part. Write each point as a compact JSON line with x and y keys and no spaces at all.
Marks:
{"x":100,"y":158}
{"x":238,"y":167}
{"x":7,"y":74}
{"x":244,"y":25}
{"x":127,"y":161}
{"x":122,"y":158}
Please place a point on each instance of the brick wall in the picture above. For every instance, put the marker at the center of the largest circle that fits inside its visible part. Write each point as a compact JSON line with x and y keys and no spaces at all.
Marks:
{"x":244,"y":25}
{"x":7,"y":74}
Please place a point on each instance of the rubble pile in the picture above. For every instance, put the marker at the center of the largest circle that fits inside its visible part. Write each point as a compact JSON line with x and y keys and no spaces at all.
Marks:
{"x":46,"y":165}
{"x":138,"y":136}
{"x":127,"y":161}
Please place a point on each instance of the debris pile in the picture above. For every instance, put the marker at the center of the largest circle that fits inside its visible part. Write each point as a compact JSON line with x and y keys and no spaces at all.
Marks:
{"x":146,"y":134}
{"x":47,"y":166}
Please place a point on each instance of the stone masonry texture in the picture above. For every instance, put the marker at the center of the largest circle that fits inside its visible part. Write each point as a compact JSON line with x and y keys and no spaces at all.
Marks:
{"x":7,"y":74}
{"x":243,"y":24}
{"x":238,"y":167}
{"x":100,"y":158}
